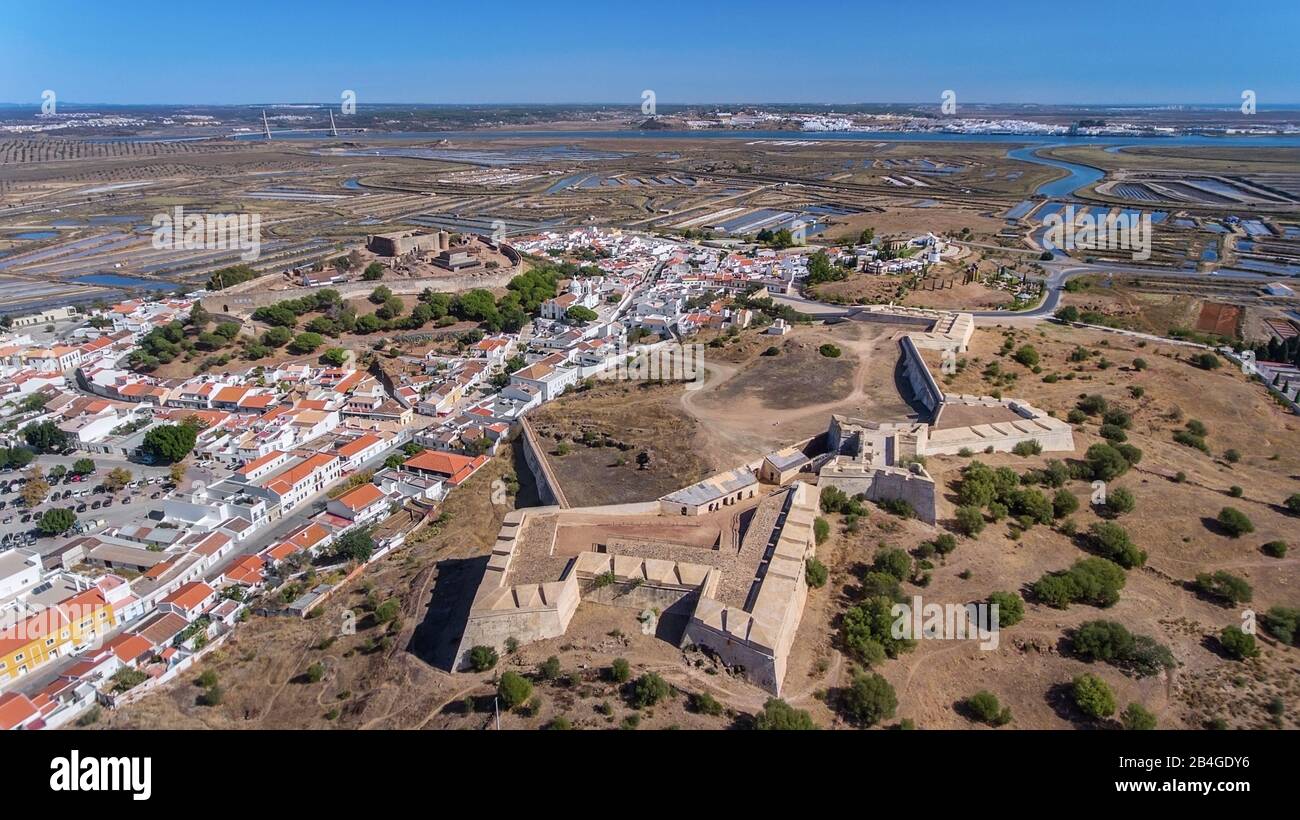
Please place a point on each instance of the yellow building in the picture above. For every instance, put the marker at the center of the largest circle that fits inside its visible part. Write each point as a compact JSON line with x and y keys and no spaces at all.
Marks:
{"x":61,"y":630}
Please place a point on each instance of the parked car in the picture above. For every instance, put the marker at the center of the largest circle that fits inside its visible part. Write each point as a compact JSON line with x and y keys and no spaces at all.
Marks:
{"x":96,"y":505}
{"x":108,"y":502}
{"x":81,"y":508}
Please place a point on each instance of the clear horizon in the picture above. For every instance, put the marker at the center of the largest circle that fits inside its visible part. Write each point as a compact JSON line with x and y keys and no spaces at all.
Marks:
{"x":579,"y":53}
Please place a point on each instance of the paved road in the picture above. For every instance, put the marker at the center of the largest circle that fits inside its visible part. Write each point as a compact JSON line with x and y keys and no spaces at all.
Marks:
{"x":1058,"y":273}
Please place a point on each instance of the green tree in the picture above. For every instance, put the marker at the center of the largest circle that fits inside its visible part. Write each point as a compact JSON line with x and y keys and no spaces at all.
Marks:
{"x":777,"y":715}
{"x":57,"y":521}
{"x":45,"y":437}
{"x":1224,"y":586}
{"x":306,"y":343}
{"x":335,"y":356}
{"x":869,"y":699}
{"x":649,"y":689}
{"x":1234,"y":522}
{"x":277,"y":336}
{"x":970,"y":520}
{"x":356,"y":544}
{"x":985,"y":707}
{"x":513,"y":689}
{"x":1237,"y":643}
{"x":815,"y":572}
{"x":579,"y":315}
{"x":1135,"y":718}
{"x":1102,"y":641}
{"x":482,"y":658}
{"x":373,"y":271}
{"x":1093,"y":696}
{"x":169,"y":443}
{"x":620,"y":671}
{"x":1011,"y":608}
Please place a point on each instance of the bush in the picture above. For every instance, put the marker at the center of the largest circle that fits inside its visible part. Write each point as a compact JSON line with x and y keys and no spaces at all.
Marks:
{"x":866,"y":630}
{"x":1282,"y":623}
{"x":1064,"y":503}
{"x":781,"y":716}
{"x":620,"y":671}
{"x":821,"y":530}
{"x":1106,"y":462}
{"x":986,"y":708}
{"x":1102,"y":641}
{"x":1234,"y":522}
{"x":1292,"y":503}
{"x":315,"y":672}
{"x":1112,"y":541}
{"x":830,"y":351}
{"x":1224,"y":586}
{"x":1136,"y":718}
{"x":1238,"y":644}
{"x":1093,"y":696}
{"x":1112,"y":433}
{"x":514,"y":689}
{"x":483,"y":658}
{"x":1027,"y":356}
{"x":1092,"y":405}
{"x":1011,"y":608}
{"x":706,"y":704}
{"x":970,"y":520}
{"x":869,"y":699}
{"x":1275,"y":549}
{"x":816,"y":573}
{"x":649,"y":689}
{"x":549,"y":669}
{"x":1030,"y":447}
{"x":1118,"y":502}
{"x":1095,"y":581}
{"x":895,"y":562}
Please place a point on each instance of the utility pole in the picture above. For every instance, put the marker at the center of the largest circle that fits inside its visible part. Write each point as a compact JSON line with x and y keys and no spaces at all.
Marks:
{"x":496,"y":707}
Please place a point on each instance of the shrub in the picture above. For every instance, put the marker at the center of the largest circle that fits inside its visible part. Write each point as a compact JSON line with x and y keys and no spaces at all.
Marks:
{"x":781,"y":716}
{"x":895,"y":562}
{"x":1112,"y":541}
{"x":1118,"y":502}
{"x":1064,"y":503}
{"x":1282,"y":623}
{"x":1093,"y":696}
{"x":869,"y":699}
{"x":1027,"y":356}
{"x":315,"y":672}
{"x":1292,"y":503}
{"x":706,"y":704}
{"x":620,"y":671}
{"x":866,"y":630}
{"x":1238,"y":644}
{"x":1135,"y":717}
{"x":1093,"y":405}
{"x":549,"y":669}
{"x":830,"y":351}
{"x":970,"y":521}
{"x":821,"y":529}
{"x":514,"y":689}
{"x":1234,"y":522}
{"x":1224,"y":586}
{"x":1102,"y":641}
{"x":1232,"y":456}
{"x":816,"y":573}
{"x":649,"y":689}
{"x":1275,"y":549}
{"x":1011,"y":608}
{"x":986,"y":708}
{"x":482,"y":658}
{"x":1106,"y":462}
{"x":1029,"y":447}
{"x":1096,"y":581}
{"x":944,"y":543}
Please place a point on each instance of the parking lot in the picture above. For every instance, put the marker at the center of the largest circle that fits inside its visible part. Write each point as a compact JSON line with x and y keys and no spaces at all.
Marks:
{"x":85,"y":495}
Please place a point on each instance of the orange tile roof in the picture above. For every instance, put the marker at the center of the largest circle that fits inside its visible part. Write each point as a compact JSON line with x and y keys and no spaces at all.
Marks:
{"x":257,"y":463}
{"x":15,"y":709}
{"x":189,"y":595}
{"x":455,"y":467}
{"x":245,"y":570}
{"x":358,"y":444}
{"x":129,"y":647}
{"x":286,"y":481}
{"x":212,"y":544}
{"x":361,"y":497}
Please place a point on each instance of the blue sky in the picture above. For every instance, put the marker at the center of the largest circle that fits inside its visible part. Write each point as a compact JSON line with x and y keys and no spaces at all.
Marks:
{"x":234,"y":51}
